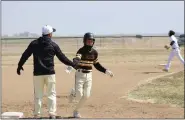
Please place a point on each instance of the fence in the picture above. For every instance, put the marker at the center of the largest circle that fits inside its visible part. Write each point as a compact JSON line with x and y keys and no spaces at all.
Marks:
{"x":111,"y":49}
{"x":72,"y":44}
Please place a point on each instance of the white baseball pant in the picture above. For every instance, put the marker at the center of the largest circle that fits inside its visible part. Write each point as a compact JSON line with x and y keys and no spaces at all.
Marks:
{"x":39,"y":82}
{"x":174,"y":52}
{"x":83,"y":84}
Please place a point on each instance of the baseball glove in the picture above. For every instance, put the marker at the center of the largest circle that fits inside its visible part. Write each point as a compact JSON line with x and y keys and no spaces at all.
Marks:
{"x":166,"y":47}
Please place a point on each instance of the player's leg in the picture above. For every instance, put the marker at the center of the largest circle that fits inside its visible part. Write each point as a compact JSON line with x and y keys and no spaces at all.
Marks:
{"x":178,"y":54}
{"x":77,"y":92}
{"x":38,"y":82}
{"x":51,"y":94}
{"x":71,"y":97}
{"x":79,"y":87}
{"x":86,"y":93}
{"x":172,"y":53}
{"x":79,"y":82}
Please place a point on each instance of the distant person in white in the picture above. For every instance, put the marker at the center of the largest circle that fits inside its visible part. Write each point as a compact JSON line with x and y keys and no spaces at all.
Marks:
{"x":175,"y":50}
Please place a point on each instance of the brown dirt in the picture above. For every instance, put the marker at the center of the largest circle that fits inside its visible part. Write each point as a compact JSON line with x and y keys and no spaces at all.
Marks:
{"x":107,"y":99}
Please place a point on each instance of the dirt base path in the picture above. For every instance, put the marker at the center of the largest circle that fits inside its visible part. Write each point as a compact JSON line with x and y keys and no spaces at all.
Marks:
{"x":105,"y":101}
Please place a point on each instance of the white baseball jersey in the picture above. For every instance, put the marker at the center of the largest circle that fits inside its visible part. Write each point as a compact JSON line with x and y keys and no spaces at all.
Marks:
{"x":175,"y":45}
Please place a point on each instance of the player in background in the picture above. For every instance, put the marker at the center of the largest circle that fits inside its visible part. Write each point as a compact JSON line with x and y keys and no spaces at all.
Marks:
{"x":175,"y":50}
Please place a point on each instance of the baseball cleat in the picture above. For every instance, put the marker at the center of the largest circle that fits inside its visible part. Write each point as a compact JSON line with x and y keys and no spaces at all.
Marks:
{"x":165,"y":70}
{"x":76,"y":114}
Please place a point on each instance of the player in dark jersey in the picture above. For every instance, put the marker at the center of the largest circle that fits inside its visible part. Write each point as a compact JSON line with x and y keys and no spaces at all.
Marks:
{"x":85,"y":57}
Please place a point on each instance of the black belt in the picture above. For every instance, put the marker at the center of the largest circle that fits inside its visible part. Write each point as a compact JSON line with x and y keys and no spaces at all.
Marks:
{"x":84,"y":71}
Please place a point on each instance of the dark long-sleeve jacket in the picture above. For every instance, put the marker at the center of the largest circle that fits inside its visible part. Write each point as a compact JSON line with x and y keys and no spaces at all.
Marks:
{"x":44,"y":50}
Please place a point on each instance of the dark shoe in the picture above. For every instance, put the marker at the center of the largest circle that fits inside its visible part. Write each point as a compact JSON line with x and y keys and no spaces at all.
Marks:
{"x":52,"y":117}
{"x":165,"y":70}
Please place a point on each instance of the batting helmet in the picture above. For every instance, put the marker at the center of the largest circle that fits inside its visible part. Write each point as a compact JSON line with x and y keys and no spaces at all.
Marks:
{"x":170,"y":33}
{"x":88,"y":36}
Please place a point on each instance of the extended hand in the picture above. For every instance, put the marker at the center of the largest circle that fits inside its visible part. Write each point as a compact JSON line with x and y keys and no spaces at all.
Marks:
{"x":69,"y":69}
{"x":108,"y":72}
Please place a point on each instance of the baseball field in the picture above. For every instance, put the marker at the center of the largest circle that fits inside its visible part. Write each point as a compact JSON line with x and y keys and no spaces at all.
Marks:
{"x":133,"y":61}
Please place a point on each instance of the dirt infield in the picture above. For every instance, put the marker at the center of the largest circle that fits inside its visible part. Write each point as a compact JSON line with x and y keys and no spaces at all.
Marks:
{"x":130,"y":65}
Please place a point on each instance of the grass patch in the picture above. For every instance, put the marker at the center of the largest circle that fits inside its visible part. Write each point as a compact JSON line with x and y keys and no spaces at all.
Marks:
{"x":165,"y":90}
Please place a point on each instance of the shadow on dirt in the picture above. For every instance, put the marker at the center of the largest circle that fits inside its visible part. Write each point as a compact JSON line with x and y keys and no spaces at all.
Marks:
{"x":151,"y":72}
{"x":62,"y":96}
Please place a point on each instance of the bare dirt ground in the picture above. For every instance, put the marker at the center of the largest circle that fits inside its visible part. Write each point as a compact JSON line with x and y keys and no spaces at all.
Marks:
{"x":130,"y":67}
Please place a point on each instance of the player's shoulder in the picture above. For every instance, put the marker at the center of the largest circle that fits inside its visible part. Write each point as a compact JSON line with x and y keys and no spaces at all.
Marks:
{"x":54,"y":43}
{"x":34,"y":42}
{"x":173,"y":38}
{"x":81,"y":50}
{"x":94,"y":50}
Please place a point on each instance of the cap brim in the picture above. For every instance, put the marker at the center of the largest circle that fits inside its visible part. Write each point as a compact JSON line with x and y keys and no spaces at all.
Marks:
{"x":54,"y":30}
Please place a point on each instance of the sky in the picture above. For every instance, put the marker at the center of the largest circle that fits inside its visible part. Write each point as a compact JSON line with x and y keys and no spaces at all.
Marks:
{"x":98,"y":17}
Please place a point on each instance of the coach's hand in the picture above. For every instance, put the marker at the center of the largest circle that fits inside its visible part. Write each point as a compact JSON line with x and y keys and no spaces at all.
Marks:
{"x":108,"y":72}
{"x":19,"y":70}
{"x":69,"y":69}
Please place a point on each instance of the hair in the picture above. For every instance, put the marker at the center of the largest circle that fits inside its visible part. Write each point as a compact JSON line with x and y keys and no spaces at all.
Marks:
{"x":50,"y":35}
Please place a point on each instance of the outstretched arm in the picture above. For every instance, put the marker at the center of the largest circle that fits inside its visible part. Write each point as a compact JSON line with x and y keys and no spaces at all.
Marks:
{"x":76,"y":60}
{"x":99,"y":67}
{"x":61,"y":56}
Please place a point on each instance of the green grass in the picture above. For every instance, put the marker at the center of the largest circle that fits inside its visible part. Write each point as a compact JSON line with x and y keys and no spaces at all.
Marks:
{"x":165,"y":90}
